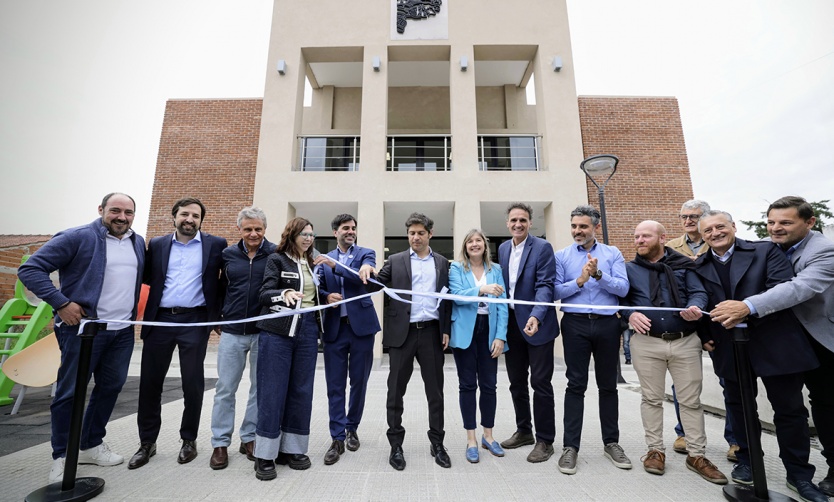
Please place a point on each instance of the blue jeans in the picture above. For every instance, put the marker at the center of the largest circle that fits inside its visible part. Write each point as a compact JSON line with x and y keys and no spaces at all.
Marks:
{"x":627,"y":344}
{"x":109,"y":363}
{"x":231,"y":361}
{"x":287,"y":368}
{"x":477,"y":370}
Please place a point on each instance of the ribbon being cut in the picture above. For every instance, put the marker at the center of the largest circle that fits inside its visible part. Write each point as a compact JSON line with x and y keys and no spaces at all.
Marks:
{"x":395,"y":294}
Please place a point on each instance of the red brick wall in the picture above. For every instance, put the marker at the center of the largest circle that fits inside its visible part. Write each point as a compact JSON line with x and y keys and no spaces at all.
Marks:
{"x":9,"y":261}
{"x":652,"y":178}
{"x":209,"y":150}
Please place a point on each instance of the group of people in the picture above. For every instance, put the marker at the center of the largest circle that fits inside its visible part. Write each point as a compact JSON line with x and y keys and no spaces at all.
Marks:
{"x":783,"y":288}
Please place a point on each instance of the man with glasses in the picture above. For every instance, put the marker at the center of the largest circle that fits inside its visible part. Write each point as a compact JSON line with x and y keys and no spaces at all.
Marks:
{"x":692,"y":244}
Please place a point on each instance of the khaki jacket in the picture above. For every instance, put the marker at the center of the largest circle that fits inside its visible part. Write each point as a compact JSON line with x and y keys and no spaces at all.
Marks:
{"x":683,"y":248}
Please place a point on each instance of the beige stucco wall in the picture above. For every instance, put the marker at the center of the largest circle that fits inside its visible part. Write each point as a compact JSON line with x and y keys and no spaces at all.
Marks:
{"x":378,"y":110}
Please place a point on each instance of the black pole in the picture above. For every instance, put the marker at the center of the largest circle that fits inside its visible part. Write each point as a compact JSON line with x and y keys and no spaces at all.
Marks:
{"x":72,"y":489}
{"x":752,"y":428}
{"x":601,"y":192}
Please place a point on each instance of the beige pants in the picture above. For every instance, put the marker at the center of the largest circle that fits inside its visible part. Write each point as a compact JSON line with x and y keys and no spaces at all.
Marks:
{"x":652,"y":357}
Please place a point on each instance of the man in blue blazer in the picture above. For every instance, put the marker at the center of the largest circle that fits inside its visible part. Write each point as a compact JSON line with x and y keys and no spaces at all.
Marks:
{"x":529,"y":269}
{"x":348,"y":334}
{"x":779,"y":350}
{"x":183,"y":271}
{"x":811,"y":297}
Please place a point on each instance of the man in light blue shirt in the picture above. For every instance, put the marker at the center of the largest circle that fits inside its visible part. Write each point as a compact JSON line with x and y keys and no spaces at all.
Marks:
{"x":590,"y":273}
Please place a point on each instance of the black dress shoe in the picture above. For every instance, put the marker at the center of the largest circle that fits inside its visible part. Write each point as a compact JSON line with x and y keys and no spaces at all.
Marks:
{"x":141,"y":457}
{"x":334,"y":452}
{"x":352,"y":441}
{"x":248,"y":449}
{"x":827,"y":484}
{"x":441,"y":458}
{"x":397,"y":458}
{"x":296,"y":461}
{"x":265,"y":469}
{"x":188,"y":452}
{"x":219,"y":458}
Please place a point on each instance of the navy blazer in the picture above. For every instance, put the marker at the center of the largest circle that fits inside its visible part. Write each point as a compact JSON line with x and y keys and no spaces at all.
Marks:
{"x":536,"y":276}
{"x":361,"y":313}
{"x":778,"y":345}
{"x":156,"y":269}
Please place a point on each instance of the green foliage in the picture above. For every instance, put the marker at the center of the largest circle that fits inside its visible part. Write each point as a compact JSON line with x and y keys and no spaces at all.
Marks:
{"x":821,"y":211}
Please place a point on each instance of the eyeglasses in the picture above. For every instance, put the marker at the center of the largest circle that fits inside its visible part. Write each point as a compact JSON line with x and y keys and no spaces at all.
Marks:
{"x":693,"y":217}
{"x":306,"y":235}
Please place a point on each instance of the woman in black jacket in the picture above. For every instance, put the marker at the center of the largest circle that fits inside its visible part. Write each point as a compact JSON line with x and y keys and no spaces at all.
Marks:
{"x":287,"y":352}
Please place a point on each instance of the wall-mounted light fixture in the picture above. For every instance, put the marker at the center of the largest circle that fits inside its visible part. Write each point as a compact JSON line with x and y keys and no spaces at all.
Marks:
{"x":464,"y":63}
{"x":557,"y":63}
{"x":375,"y":63}
{"x":282,"y":67}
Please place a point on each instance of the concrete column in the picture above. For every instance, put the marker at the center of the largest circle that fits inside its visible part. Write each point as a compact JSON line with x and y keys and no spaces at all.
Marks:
{"x":467,"y":216}
{"x":462,"y":110}
{"x":326,"y":108}
{"x":374,"y":123}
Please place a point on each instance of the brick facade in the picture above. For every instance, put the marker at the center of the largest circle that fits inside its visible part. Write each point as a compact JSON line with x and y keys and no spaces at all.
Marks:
{"x":12,"y":249}
{"x":652,"y":178}
{"x":209,"y":150}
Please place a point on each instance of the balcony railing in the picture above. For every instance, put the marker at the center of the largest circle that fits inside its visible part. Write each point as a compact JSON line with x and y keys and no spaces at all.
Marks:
{"x":329,"y":153}
{"x":508,"y":153}
{"x":419,"y":153}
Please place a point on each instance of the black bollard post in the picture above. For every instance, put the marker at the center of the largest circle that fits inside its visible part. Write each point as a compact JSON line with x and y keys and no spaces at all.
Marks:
{"x":752,"y":428}
{"x":72,"y":489}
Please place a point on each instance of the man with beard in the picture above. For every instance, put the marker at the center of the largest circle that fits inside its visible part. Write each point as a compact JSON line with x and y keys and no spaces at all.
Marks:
{"x":665,"y":340}
{"x":100,"y":270}
{"x":348,"y":334}
{"x":183,"y":271}
{"x":589,"y":272}
{"x":780,"y":352}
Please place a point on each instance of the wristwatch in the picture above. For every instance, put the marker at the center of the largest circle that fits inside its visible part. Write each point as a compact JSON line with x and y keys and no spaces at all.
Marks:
{"x":598,"y":275}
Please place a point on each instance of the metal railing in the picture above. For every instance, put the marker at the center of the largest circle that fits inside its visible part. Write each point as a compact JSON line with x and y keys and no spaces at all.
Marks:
{"x":328,"y":153}
{"x":419,"y":153}
{"x":508,"y":152}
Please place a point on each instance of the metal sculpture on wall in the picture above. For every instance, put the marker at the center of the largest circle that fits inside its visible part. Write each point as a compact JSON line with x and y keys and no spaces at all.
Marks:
{"x":415,"y":9}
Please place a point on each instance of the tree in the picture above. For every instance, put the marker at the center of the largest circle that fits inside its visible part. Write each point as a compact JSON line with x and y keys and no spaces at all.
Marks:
{"x":821,"y":210}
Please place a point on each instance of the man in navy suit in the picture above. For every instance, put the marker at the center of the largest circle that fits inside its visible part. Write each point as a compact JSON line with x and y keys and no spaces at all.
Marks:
{"x":780,"y":353}
{"x":348,"y":334}
{"x":183,"y":271}
{"x":530,"y":272}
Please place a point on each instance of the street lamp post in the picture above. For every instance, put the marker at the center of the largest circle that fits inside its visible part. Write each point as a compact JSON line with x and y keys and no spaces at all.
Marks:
{"x":603,"y":167}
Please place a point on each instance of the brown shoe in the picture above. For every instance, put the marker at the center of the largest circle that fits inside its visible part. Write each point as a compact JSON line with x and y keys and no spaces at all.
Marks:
{"x":654,"y":462}
{"x":731,"y":453}
{"x":705,"y":469}
{"x":248,"y":449}
{"x":517,"y":439}
{"x":219,"y":458}
{"x":541,"y":452}
{"x":680,"y":445}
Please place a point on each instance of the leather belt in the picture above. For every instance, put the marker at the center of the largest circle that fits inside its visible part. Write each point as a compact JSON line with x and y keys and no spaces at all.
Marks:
{"x":181,"y":310}
{"x":589,"y":316}
{"x":345,"y":320}
{"x":424,"y":324}
{"x":669,"y":336}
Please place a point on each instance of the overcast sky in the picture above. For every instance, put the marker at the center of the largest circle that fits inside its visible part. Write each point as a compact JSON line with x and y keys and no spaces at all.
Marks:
{"x":84,"y":86}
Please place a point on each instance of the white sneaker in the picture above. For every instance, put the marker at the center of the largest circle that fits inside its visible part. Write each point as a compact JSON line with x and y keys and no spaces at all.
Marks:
{"x":57,"y":471}
{"x":100,"y":455}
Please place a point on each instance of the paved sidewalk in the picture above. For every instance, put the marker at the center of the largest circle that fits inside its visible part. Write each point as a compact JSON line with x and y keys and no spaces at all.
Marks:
{"x":366,"y":475}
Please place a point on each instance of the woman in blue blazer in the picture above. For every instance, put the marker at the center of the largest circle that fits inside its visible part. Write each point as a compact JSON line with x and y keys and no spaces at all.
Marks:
{"x":479,"y":333}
